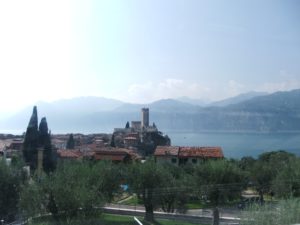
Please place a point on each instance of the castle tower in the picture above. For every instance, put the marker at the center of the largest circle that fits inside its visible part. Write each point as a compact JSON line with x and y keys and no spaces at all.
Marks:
{"x":145,"y":117}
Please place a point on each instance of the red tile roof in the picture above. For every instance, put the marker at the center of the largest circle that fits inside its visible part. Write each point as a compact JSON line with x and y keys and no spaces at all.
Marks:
{"x":114,"y":155}
{"x":185,"y":152}
{"x":202,"y":152}
{"x":166,"y":151}
{"x":70,"y":154}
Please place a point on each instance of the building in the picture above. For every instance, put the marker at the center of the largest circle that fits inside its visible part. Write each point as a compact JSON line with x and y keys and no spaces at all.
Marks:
{"x":140,"y":134}
{"x":183,"y":155}
{"x":145,"y":117}
{"x":164,"y":154}
{"x":136,"y":125}
{"x":66,"y":154}
{"x":116,"y":155}
{"x":16,"y":144}
{"x":139,"y":126}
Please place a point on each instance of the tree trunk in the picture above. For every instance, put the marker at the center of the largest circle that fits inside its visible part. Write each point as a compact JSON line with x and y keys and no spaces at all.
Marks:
{"x":261,"y":197}
{"x":149,"y":216}
{"x":216,"y":216}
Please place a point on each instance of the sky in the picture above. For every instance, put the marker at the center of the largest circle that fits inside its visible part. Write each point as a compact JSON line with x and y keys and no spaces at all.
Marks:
{"x":144,"y":50}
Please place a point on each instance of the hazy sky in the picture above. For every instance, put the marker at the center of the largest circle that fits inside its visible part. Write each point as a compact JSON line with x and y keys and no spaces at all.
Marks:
{"x":144,"y":50}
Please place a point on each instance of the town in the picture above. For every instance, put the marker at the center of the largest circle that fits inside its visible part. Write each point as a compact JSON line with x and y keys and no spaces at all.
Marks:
{"x":137,"y":165}
{"x":131,"y":143}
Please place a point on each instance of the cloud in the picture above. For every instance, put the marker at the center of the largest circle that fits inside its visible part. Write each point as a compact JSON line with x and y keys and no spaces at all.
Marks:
{"x":234,"y":88}
{"x":167,"y":88}
{"x":280,"y":86}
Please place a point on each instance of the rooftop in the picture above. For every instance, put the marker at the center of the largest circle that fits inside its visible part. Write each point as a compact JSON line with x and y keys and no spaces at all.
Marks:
{"x":184,"y":152}
{"x":166,"y":151}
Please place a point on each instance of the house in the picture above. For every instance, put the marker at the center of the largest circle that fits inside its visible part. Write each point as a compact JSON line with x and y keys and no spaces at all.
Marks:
{"x":16,"y":144}
{"x":114,"y":156}
{"x":183,"y":155}
{"x":197,"y":155}
{"x":164,"y":154}
{"x":67,"y":154}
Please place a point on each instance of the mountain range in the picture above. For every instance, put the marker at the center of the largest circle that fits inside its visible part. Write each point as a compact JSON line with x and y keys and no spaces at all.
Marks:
{"x":254,"y":112}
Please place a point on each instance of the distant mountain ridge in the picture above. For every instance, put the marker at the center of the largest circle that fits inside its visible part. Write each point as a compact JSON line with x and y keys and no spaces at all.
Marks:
{"x":275,"y":112}
{"x":239,"y":98}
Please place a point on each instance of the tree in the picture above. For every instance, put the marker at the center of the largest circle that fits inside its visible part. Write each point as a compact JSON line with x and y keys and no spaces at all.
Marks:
{"x":49,"y":159}
{"x":287,"y":182}
{"x":32,"y":199}
{"x":267,"y":167}
{"x":70,"y":142}
{"x":75,"y":190}
{"x":176,"y":186}
{"x":108,"y":177}
{"x":72,"y":190}
{"x":112,"y":141}
{"x":146,"y":180}
{"x":9,"y":192}
{"x":38,"y":137}
{"x":285,"y":212}
{"x":31,"y":141}
{"x":220,"y":181}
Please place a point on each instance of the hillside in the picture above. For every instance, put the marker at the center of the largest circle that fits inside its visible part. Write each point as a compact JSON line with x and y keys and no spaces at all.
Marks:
{"x":275,"y":112}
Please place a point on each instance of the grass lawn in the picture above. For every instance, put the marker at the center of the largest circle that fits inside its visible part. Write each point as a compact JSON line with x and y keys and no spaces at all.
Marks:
{"x":109,"y":219}
{"x":132,"y":200}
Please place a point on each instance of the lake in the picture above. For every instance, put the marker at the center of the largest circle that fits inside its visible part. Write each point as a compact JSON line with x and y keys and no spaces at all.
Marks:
{"x":237,"y":145}
{"x":234,"y":145}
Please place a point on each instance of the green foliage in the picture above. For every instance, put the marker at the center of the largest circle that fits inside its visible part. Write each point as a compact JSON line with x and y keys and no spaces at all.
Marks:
{"x":112,"y":141}
{"x":287,"y":182}
{"x":146,"y":179}
{"x":109,"y":219}
{"x":176,"y":186}
{"x":73,"y":191}
{"x":38,"y":138}
{"x":219,"y":180}
{"x":32,"y":199}
{"x":108,"y":176}
{"x":70,"y":142}
{"x":286,"y":212}
{"x":9,"y":191}
{"x":246,"y":163}
{"x":31,"y":141}
{"x":267,"y":167}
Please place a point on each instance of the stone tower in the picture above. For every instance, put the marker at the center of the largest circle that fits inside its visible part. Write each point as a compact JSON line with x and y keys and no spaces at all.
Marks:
{"x":145,"y":117}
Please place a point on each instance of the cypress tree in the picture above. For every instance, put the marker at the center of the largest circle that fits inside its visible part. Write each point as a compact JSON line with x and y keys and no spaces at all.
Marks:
{"x":31,"y":141}
{"x":112,"y":141}
{"x":45,"y":143}
{"x":38,"y":137}
{"x":70,"y":142}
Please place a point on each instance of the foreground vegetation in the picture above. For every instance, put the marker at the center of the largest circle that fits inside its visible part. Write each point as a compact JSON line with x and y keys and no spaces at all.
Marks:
{"x":283,"y":213}
{"x":109,"y":219}
{"x":76,"y":190}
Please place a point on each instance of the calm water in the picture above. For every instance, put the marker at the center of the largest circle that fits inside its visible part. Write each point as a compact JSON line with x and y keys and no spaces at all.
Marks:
{"x":237,"y":145}
{"x":234,"y":145}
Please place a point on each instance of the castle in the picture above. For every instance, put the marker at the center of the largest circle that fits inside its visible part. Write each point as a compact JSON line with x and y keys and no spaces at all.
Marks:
{"x":140,"y":135}
{"x":139,"y":126}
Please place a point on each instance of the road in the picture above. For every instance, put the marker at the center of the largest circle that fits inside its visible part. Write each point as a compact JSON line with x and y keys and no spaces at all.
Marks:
{"x":227,"y":216}
{"x":204,"y":216}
